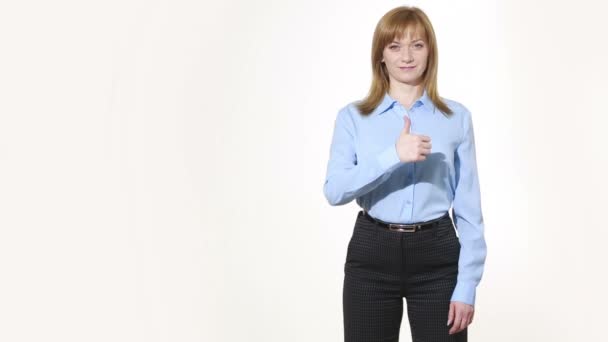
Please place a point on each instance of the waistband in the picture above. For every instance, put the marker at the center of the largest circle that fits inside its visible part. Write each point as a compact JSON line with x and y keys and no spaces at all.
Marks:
{"x":406,"y":228}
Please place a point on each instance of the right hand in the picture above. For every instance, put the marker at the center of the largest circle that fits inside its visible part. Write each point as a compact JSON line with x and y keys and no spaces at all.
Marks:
{"x":412,"y":147}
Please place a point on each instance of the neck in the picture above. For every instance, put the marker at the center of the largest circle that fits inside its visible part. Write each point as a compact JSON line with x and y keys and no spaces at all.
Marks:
{"x":405,"y":93}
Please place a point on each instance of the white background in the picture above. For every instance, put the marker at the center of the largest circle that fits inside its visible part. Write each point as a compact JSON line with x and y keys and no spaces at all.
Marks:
{"x":162,"y":165}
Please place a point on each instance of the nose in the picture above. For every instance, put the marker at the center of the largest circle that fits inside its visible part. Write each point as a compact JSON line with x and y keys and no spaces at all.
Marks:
{"x":406,"y":55}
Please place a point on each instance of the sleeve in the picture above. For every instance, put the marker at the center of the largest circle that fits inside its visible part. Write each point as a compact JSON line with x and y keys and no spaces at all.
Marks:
{"x":468,"y":217}
{"x":347,"y":176}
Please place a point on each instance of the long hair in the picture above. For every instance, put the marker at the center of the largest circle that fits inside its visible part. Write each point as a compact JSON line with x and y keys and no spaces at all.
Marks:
{"x":394,"y":24}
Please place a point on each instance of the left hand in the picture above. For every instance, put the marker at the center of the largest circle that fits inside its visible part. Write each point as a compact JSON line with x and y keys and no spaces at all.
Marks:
{"x":461,"y":314}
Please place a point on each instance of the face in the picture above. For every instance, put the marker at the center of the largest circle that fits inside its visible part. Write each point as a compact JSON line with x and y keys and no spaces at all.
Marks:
{"x":406,"y":59}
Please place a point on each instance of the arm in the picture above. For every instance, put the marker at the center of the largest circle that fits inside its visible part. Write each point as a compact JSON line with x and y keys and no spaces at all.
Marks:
{"x":347,"y":176}
{"x":468,"y":217}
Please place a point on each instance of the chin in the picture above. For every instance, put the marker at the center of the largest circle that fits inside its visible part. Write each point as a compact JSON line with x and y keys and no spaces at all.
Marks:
{"x":412,"y":81}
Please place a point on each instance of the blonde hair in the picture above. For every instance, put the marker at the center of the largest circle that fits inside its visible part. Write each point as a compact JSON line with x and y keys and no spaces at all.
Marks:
{"x":394,"y":24}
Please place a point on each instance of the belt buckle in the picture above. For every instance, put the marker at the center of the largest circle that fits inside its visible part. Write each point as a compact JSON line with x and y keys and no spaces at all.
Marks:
{"x":407,"y":228}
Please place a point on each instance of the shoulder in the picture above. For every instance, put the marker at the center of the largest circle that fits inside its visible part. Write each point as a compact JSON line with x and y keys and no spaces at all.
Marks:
{"x":351,"y":110}
{"x":348,"y":114}
{"x":461,"y":114}
{"x":457,"y":107}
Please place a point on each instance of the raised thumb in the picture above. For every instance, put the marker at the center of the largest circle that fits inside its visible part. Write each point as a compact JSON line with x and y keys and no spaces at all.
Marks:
{"x":406,"y":127}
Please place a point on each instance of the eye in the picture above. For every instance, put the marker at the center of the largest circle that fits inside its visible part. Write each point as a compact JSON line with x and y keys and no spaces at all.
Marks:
{"x":419,"y":45}
{"x":393,"y":47}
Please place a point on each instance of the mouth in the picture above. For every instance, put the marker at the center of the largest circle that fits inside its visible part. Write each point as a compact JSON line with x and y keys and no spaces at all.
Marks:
{"x":407,"y":68}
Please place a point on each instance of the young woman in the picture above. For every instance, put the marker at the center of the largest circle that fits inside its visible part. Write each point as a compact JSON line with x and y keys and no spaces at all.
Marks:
{"x":407,"y":156}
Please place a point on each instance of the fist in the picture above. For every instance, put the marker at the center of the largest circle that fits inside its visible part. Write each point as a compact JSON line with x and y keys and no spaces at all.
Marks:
{"x":412,"y":147}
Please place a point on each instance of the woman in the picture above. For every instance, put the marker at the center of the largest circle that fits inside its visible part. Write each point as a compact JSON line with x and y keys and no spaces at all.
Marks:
{"x":406,"y":155}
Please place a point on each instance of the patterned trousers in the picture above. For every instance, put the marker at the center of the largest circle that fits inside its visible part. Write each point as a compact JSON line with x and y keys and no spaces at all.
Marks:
{"x":382,"y":267}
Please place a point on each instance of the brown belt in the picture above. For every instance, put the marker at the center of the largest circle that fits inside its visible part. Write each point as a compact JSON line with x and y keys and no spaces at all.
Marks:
{"x":406,"y":228}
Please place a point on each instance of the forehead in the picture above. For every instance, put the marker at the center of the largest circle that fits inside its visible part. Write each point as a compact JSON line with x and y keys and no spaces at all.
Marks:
{"x":410,"y":33}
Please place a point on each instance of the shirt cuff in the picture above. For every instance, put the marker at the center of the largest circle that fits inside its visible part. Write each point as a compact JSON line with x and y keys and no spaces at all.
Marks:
{"x":388,"y":158}
{"x":464,"y":292}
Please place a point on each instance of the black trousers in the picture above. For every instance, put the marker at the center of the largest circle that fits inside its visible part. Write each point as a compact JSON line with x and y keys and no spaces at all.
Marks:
{"x":382,"y":267}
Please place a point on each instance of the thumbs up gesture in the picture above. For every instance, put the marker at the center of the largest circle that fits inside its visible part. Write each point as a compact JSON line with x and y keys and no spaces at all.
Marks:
{"x":412,"y":147}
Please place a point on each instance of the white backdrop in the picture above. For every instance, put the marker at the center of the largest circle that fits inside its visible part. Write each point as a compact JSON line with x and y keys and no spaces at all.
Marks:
{"x":162,"y":165}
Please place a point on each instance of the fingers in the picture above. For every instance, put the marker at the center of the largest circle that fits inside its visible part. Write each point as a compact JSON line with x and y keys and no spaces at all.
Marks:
{"x":463,"y":323}
{"x":462,"y":319}
{"x":412,"y":147}
{"x":424,"y":152}
{"x":406,"y":125}
{"x":457,"y":320}
{"x":424,"y":148}
{"x":451,"y":314}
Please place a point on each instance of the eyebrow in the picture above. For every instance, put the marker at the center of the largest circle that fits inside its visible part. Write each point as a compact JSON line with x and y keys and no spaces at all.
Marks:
{"x":413,"y":41}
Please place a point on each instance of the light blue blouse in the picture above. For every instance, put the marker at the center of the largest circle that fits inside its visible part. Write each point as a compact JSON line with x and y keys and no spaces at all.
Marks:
{"x":363,"y":165}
